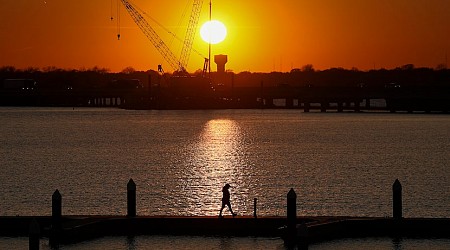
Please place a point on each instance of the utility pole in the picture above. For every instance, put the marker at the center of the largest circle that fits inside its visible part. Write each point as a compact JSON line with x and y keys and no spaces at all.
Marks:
{"x":209,"y":52}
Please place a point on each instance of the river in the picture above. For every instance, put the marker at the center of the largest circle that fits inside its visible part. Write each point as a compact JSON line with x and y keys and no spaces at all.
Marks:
{"x":338,"y":163}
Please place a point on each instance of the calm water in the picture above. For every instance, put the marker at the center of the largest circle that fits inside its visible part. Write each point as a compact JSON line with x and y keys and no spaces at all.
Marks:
{"x":339,"y":164}
{"x":214,"y":243}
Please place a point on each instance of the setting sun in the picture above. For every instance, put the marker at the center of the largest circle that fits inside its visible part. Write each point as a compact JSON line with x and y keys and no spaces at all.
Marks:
{"x":213,"y":32}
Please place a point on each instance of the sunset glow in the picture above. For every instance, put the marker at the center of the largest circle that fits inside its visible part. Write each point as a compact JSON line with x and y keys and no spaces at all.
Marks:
{"x":263,"y":36}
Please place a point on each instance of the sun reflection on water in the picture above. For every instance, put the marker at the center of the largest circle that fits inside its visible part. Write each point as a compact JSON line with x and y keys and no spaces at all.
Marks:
{"x":216,"y":158}
{"x":221,"y":144}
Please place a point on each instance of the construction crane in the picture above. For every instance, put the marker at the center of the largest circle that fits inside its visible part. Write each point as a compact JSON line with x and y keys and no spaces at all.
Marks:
{"x":177,"y":65}
{"x":190,"y":33}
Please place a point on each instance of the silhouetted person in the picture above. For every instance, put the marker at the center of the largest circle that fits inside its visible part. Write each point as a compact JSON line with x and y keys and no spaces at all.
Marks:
{"x":226,"y":200}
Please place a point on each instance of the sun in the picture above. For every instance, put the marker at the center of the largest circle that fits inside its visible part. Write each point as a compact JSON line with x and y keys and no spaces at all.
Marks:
{"x":213,"y":32}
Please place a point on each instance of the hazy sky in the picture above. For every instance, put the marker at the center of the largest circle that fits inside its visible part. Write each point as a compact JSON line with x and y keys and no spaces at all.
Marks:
{"x":263,"y":36}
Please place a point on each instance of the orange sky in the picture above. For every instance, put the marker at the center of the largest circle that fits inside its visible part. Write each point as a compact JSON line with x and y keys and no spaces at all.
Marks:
{"x":263,"y":36}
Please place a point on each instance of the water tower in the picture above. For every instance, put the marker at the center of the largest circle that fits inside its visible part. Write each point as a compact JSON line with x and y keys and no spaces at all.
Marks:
{"x":220,"y":60}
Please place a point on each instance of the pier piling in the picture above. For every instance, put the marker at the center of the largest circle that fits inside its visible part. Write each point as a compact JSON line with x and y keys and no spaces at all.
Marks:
{"x":56,"y":210}
{"x":306,"y":107}
{"x":291,"y":213}
{"x":254,"y":207}
{"x":303,"y":236}
{"x":340,"y":107}
{"x":323,"y":107}
{"x":56,"y":221}
{"x":131,"y":198}
{"x":34,"y":234}
{"x":357,"y":106}
{"x":397,"y":199}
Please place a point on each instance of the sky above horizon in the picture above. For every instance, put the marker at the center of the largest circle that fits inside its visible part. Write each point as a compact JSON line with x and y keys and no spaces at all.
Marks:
{"x":263,"y":36}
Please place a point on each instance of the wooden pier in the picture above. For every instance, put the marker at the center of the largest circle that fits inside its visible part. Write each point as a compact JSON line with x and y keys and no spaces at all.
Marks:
{"x":79,"y":228}
{"x":293,"y":229}
{"x":308,"y":230}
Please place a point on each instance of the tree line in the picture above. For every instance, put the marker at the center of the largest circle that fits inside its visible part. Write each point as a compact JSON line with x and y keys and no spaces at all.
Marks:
{"x":406,"y":75}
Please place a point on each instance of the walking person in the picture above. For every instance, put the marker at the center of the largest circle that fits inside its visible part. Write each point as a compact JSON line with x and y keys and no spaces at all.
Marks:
{"x":226,"y":200}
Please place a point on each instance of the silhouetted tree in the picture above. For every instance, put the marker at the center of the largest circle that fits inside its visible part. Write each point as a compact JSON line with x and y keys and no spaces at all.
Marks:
{"x":407,"y":67}
{"x":441,"y":66}
{"x":128,"y":70}
{"x":308,"y":68}
{"x":8,"y":68}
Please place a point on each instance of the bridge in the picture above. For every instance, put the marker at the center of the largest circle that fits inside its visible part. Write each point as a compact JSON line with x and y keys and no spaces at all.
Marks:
{"x":69,"y":97}
{"x":358,"y":98}
{"x":410,"y":99}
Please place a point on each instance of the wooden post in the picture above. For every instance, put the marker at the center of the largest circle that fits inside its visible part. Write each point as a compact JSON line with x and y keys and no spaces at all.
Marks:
{"x":56,"y":210}
{"x":34,"y":234}
{"x":56,"y":219}
{"x":323,"y":106}
{"x":340,"y":107}
{"x":254,"y":207}
{"x":303,"y":236}
{"x":289,"y":102}
{"x":357,"y":106}
{"x":397,"y":199}
{"x":131,"y":198}
{"x":306,"y":107}
{"x":291,"y":210}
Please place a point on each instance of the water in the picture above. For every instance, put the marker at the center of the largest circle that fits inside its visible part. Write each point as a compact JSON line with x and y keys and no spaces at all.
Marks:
{"x":339,"y":164}
{"x":215,"y":243}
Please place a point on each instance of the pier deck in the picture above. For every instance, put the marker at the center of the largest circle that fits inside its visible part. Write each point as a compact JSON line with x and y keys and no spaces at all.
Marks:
{"x":309,"y":229}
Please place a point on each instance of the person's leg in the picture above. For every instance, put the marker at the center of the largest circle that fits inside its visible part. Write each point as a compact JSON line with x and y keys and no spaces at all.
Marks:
{"x":220,"y":213}
{"x":231,"y":210}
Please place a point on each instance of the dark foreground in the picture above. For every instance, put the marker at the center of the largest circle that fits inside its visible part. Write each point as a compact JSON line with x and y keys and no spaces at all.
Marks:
{"x":308,"y":230}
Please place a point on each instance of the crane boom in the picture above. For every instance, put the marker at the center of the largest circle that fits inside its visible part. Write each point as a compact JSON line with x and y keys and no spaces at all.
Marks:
{"x":153,"y":36}
{"x":190,"y":33}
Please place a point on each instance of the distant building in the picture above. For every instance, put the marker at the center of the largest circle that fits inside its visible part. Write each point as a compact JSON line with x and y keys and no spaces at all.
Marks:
{"x":19,"y":84}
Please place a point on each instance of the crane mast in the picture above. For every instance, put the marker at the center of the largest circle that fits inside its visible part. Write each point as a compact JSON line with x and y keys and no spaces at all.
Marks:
{"x":190,"y":33}
{"x":153,"y":36}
